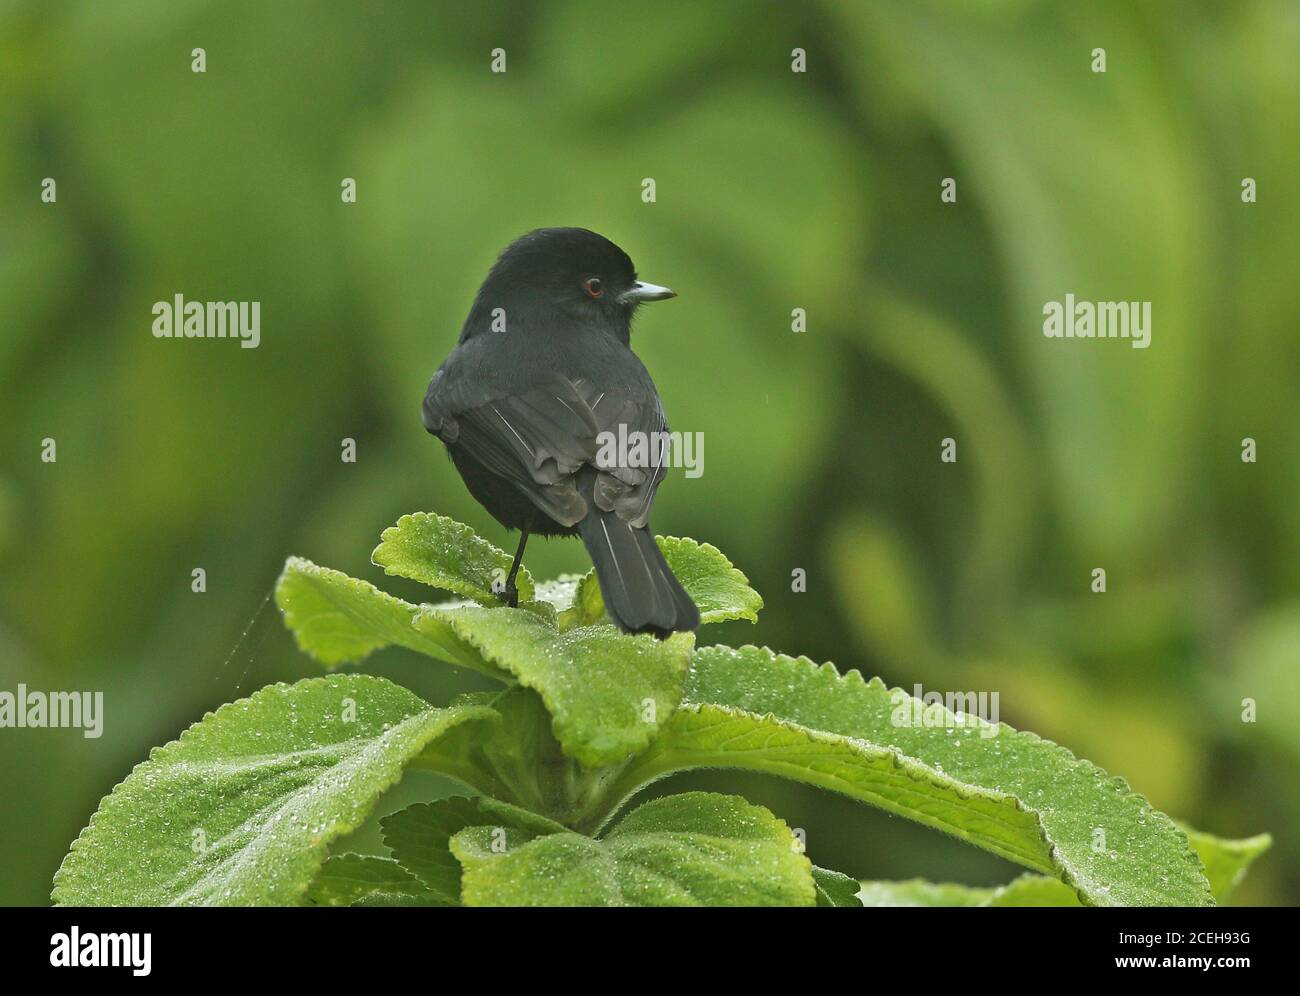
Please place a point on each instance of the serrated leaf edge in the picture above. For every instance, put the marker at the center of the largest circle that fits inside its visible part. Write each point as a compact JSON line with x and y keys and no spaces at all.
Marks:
{"x":1064,"y":871}
{"x":462,"y":587}
{"x":337,"y":830}
{"x":577,"y":750}
{"x":731,"y":571}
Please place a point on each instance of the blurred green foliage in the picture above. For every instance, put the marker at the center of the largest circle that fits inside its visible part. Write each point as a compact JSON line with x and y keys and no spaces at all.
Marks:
{"x":775,"y":190}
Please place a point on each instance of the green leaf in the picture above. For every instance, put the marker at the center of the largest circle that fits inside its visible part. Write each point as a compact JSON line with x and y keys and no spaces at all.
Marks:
{"x":1226,"y":862}
{"x":835,"y":888}
{"x":449,"y":555}
{"x":719,"y":590}
{"x":526,"y":758}
{"x":1013,"y":793}
{"x":708,"y":736}
{"x":588,"y":606}
{"x":1027,"y":890}
{"x":368,"y":880}
{"x":337,"y":619}
{"x":608,"y":692}
{"x":419,"y":837}
{"x":918,"y":892}
{"x":694,"y":849}
{"x":242,"y":808}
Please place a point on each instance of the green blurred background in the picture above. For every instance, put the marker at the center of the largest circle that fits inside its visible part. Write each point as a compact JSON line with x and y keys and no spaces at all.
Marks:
{"x":775,"y":190}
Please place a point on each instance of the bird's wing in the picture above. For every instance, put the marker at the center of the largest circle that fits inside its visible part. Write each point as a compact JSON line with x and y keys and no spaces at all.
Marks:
{"x":627,"y":485}
{"x":537,"y":438}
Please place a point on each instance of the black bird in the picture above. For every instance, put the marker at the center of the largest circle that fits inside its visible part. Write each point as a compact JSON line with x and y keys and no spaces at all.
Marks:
{"x":543,"y":369}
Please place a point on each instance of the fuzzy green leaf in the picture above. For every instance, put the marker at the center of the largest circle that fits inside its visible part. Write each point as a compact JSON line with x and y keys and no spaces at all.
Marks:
{"x":242,"y":808}
{"x":608,"y":692}
{"x":708,"y":736}
{"x":1226,"y":862}
{"x":419,"y":836}
{"x":588,"y":606}
{"x":337,"y":619}
{"x":368,"y":880}
{"x":1042,"y":890}
{"x":449,"y":555}
{"x":695,"y":849}
{"x":835,"y":888}
{"x":720,"y":590}
{"x":1012,"y":793}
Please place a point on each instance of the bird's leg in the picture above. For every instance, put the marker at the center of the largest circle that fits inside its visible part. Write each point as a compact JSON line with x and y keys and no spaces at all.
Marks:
{"x":511,"y":592}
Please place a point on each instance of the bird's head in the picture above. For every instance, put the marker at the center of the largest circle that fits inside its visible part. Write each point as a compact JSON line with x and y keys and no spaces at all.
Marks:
{"x":570,"y":272}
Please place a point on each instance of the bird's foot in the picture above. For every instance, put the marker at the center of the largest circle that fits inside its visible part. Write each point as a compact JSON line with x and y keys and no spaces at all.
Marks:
{"x":510,"y":595}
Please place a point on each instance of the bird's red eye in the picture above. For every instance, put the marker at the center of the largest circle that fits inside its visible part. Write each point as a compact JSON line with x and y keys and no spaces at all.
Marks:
{"x":592,"y":285}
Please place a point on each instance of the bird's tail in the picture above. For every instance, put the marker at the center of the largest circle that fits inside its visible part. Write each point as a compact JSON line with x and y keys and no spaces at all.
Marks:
{"x":642,"y":595}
